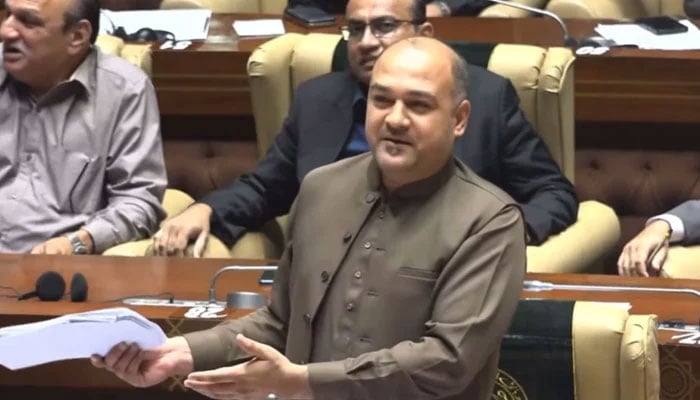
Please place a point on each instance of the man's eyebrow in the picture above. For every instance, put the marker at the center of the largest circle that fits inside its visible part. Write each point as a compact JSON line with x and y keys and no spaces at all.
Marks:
{"x":422,"y":95}
{"x":361,"y":20}
{"x":379,"y":87}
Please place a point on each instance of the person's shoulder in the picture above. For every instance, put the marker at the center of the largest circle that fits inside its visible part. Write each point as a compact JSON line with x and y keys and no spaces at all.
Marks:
{"x":322,"y":83}
{"x":480,"y":77}
{"x":120,"y":71}
{"x":480,"y":190}
{"x":347,"y":168}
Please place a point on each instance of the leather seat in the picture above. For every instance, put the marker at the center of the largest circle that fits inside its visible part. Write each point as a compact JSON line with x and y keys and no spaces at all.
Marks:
{"x":543,"y":78}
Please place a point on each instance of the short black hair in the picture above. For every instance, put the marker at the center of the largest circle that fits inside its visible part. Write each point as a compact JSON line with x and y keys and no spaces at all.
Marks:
{"x":83,"y":9}
{"x":418,"y":11}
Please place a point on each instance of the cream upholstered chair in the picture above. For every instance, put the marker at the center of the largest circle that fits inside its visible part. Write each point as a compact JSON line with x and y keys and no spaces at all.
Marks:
{"x":137,"y":54}
{"x":230,"y":6}
{"x":682,"y":263}
{"x":617,"y":9}
{"x":578,"y":350}
{"x":543,"y":79}
{"x":501,"y":11}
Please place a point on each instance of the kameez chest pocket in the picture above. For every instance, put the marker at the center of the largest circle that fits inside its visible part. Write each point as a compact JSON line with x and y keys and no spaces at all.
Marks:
{"x":73,"y":177}
{"x":412,"y":288}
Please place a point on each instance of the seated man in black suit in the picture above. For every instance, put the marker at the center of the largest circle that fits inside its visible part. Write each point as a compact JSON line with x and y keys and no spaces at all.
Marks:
{"x":439,"y":8}
{"x":326,"y":123}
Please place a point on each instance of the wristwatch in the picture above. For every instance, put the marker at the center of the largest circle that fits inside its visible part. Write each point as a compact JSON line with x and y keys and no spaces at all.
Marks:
{"x":78,"y":246}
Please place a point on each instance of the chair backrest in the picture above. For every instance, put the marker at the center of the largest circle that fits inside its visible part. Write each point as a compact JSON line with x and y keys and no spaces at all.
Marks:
{"x":617,"y":9}
{"x":664,"y":7}
{"x":230,"y":6}
{"x":543,"y":78}
{"x":502,"y":11}
{"x":568,"y":350}
{"x":137,"y":54}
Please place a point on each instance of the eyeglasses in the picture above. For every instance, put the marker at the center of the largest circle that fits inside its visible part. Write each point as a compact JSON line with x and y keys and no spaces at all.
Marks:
{"x":380,"y":27}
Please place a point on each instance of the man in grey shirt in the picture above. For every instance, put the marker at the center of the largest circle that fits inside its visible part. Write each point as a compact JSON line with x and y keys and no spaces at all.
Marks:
{"x":81,"y":159}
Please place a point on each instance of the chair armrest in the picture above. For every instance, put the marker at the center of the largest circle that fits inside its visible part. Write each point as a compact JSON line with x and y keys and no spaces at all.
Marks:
{"x":176,"y":201}
{"x":639,"y":359}
{"x":615,"y":9}
{"x":215,"y":249}
{"x":267,"y":243}
{"x":581,"y":246}
{"x":138,"y":248}
{"x":682,"y":263}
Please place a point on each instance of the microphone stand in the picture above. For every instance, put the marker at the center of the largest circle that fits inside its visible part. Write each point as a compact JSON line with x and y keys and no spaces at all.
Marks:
{"x":539,"y":286}
{"x":212,"y":293}
{"x":568,"y":40}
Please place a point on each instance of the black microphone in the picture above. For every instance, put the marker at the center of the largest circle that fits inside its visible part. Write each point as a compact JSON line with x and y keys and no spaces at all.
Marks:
{"x":568,"y":40}
{"x":78,"y":288}
{"x":50,"y":286}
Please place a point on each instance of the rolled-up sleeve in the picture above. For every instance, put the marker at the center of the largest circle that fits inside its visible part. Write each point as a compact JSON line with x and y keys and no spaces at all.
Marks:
{"x":135,"y":173}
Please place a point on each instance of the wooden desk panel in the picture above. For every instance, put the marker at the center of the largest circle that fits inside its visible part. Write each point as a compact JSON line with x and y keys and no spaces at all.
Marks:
{"x":114,"y":277}
{"x":628,"y":85}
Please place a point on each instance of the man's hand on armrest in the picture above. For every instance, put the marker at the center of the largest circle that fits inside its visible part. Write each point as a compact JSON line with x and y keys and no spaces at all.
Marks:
{"x":176,"y":233}
{"x":648,"y":248}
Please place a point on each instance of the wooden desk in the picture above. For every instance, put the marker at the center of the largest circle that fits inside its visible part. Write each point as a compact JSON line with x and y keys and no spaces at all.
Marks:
{"x":625,"y":85}
{"x":110,"y":278}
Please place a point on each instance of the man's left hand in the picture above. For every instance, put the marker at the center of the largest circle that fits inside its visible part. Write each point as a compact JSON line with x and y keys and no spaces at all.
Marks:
{"x":57,"y":245}
{"x":268,"y":372}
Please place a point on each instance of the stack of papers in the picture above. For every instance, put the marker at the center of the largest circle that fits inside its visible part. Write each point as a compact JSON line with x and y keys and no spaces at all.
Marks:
{"x":75,"y":336}
{"x":183,"y":24}
{"x":633,"y":34}
{"x":259,"y":27}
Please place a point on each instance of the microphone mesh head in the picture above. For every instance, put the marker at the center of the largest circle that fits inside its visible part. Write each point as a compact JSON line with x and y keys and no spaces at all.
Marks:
{"x":50,"y":286}
{"x":78,"y":287}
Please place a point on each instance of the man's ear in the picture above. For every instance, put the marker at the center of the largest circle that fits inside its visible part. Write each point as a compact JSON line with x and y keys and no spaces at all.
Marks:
{"x":426,"y":29}
{"x":79,"y":36}
{"x":462,"y":117}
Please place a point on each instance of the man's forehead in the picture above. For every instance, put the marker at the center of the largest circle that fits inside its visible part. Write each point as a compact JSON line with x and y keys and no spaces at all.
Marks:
{"x":46,"y":7}
{"x":26,"y":4}
{"x":404,"y":67}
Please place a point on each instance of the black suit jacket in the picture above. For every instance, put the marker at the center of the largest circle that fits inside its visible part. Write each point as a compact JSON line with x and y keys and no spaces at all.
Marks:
{"x":499,"y":144}
{"x":458,"y":7}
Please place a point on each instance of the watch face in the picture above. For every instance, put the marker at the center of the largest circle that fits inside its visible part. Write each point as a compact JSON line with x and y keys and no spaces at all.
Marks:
{"x":79,"y":249}
{"x":78,"y":246}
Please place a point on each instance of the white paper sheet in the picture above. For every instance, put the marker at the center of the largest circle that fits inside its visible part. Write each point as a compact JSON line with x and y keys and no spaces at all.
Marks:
{"x":636,"y":35}
{"x":259,"y":27}
{"x":183,"y":24}
{"x":75,"y":336}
